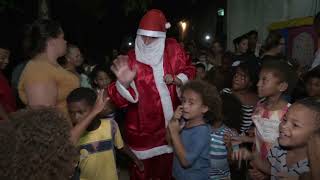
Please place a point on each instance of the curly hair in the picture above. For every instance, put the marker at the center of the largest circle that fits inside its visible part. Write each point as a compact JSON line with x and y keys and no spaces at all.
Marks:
{"x":43,"y":150}
{"x":209,"y":96}
{"x":7,"y":139}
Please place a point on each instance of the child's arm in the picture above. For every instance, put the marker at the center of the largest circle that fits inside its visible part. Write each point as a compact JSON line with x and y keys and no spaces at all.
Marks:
{"x":126,"y":150}
{"x":79,"y":128}
{"x":174,"y":132}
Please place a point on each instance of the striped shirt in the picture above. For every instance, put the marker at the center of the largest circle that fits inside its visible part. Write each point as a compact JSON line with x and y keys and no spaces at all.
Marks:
{"x":278,"y":160}
{"x":246,"y":113}
{"x":219,"y":166}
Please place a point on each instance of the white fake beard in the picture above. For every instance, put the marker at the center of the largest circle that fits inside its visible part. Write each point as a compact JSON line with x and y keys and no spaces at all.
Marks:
{"x":150,"y":54}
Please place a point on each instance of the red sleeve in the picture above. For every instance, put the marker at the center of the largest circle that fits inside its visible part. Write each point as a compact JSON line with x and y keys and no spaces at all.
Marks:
{"x":116,"y":97}
{"x":182,"y":63}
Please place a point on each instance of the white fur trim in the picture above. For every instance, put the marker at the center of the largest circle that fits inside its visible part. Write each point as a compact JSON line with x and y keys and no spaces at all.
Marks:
{"x":126,"y":94}
{"x":152,"y":152}
{"x":167,"y":25}
{"x":144,"y":32}
{"x":165,"y":98}
{"x":184,"y":78}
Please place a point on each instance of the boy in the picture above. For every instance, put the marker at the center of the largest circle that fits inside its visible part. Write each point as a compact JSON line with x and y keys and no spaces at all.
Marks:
{"x":97,"y":158}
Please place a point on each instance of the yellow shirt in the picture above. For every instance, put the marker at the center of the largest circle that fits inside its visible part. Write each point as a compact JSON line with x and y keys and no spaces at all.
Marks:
{"x":97,"y":159}
{"x":39,"y":70}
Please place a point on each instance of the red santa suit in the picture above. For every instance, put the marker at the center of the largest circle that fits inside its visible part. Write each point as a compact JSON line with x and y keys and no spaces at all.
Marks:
{"x":150,"y":102}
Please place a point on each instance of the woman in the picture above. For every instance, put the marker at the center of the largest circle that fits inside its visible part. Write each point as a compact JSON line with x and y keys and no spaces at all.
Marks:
{"x":274,"y":46}
{"x":44,"y":82}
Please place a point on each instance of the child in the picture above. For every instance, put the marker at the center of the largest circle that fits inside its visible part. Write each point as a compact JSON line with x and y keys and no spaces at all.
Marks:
{"x":201,"y":71}
{"x":243,"y":89}
{"x":37,"y":146}
{"x":220,"y":149}
{"x":100,"y":78}
{"x":288,"y":158}
{"x":191,"y":143}
{"x":97,"y":160}
{"x":312,"y":80}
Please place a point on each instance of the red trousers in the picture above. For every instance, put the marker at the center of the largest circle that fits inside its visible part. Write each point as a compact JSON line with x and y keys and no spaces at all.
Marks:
{"x":155,"y":168}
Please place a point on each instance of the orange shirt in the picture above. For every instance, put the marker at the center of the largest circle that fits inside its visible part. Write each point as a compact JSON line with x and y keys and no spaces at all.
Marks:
{"x":40,"y":70}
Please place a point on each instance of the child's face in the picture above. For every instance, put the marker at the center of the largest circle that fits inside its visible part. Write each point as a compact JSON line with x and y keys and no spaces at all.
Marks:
{"x":243,"y":46}
{"x":313,"y":87}
{"x":240,"y":80}
{"x":297,"y":126}
{"x":192,"y":104}
{"x":78,"y":110}
{"x":201,"y":73}
{"x":4,"y":58}
{"x":269,"y":84}
{"x":102,"y":80}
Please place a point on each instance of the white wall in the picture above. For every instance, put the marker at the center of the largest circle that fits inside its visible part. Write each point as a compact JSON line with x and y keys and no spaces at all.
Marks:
{"x":246,"y":15}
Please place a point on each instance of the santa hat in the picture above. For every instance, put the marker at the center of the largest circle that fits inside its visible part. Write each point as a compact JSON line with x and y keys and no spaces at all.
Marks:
{"x":153,"y":24}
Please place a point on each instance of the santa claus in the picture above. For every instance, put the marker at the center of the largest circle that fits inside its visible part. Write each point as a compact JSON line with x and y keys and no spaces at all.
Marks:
{"x":148,"y":80}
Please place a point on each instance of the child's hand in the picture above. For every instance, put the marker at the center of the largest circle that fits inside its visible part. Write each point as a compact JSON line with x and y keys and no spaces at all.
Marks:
{"x":140,"y":165}
{"x":242,"y":154}
{"x":100,"y":102}
{"x":178,"y":113}
{"x":168,"y":79}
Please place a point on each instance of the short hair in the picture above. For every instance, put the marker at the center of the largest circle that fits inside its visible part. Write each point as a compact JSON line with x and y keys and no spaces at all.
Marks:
{"x":283,"y":71}
{"x":273,"y":40}
{"x":43,"y":149}
{"x":312,"y":103}
{"x":100,"y":68}
{"x":37,"y":35}
{"x":82,"y":94}
{"x":209,"y":97}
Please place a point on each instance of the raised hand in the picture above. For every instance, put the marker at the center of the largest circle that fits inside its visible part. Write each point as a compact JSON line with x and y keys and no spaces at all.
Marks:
{"x":174,"y":124}
{"x":100,"y":102}
{"x":121,"y":69}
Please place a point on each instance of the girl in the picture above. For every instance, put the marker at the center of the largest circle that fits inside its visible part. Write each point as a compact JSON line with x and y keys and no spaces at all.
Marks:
{"x":200,"y":101}
{"x":243,"y":89}
{"x":312,"y":80}
{"x":288,"y":158}
{"x":100,"y":78}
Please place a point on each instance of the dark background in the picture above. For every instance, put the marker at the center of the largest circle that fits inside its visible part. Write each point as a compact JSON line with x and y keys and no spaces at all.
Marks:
{"x":98,"y":26}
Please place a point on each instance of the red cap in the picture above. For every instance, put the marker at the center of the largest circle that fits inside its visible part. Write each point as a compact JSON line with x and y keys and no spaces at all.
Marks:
{"x":153,"y":24}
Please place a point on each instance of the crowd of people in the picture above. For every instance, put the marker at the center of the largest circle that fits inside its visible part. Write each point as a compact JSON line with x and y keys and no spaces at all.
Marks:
{"x":185,"y":113}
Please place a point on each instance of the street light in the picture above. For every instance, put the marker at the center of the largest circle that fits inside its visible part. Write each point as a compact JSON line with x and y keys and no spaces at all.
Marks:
{"x":183,"y":25}
{"x":207,"y":37}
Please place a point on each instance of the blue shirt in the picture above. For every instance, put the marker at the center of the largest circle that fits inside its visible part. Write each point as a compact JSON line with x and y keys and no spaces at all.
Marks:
{"x":196,"y":143}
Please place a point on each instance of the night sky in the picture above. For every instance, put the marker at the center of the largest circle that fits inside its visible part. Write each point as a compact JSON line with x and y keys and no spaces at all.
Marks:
{"x":97,"y":26}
